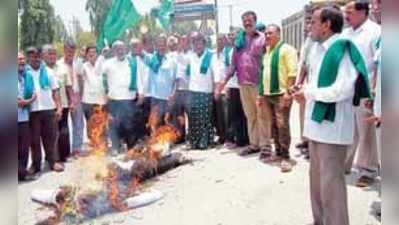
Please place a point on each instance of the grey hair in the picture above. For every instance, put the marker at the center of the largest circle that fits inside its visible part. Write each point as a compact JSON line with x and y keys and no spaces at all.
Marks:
{"x":48,"y":47}
{"x":117,"y":43}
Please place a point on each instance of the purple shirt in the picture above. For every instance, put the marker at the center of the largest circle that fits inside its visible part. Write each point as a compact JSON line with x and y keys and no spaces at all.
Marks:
{"x":247,"y":61}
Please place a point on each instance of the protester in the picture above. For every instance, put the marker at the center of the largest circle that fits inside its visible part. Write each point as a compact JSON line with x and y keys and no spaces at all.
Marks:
{"x":163,"y":75}
{"x":121,"y":105}
{"x":65,"y":77}
{"x":219,"y":109}
{"x":330,"y":95}
{"x":279,"y":71}
{"x":247,"y":54}
{"x":93,"y":91}
{"x":143,"y":86}
{"x":45,"y":111}
{"x":301,"y":79}
{"x":180,"y":109}
{"x":202,"y":69}
{"x":236,"y":131}
{"x":364,"y":33}
{"x":26,"y":95}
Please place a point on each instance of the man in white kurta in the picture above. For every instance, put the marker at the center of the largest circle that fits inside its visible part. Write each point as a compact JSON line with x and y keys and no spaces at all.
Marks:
{"x":364,"y":33}
{"x":143,"y":86}
{"x":328,"y":140}
{"x":121,"y":99}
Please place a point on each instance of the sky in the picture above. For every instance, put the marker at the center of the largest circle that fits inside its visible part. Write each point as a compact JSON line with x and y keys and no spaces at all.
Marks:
{"x":268,"y":11}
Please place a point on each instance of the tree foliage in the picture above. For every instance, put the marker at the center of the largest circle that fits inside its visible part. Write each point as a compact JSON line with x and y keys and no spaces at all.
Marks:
{"x":37,"y":23}
{"x":98,"y":10}
{"x":60,"y":31}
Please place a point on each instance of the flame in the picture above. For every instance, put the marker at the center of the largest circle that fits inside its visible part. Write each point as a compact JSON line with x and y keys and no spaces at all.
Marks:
{"x":114,"y":194}
{"x":97,"y":126}
{"x":153,"y":119}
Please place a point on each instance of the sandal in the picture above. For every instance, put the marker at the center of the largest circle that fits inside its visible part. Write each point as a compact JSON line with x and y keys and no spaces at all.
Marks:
{"x":248,"y":151}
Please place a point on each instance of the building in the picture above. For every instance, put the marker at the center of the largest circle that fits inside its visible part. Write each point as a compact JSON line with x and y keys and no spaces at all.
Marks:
{"x":293,"y":26}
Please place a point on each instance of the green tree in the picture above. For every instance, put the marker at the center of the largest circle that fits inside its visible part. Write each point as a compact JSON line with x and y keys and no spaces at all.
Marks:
{"x":85,"y":38}
{"x":37,"y":26}
{"x":98,"y":10}
{"x":60,"y":30}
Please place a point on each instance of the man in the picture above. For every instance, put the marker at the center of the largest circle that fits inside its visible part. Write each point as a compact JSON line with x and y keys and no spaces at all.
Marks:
{"x":330,"y":95}
{"x":77,"y":114}
{"x":236,"y":131}
{"x":202,"y":72}
{"x":63,"y":73}
{"x":278,"y":75}
{"x":93,"y":91}
{"x":26,"y":95}
{"x":143,"y":84}
{"x":376,"y":118}
{"x":45,"y":111}
{"x":219,"y":109}
{"x":301,"y":80}
{"x":247,"y":55}
{"x":163,"y":70}
{"x":180,"y":108}
{"x":364,"y":33}
{"x":122,"y":90}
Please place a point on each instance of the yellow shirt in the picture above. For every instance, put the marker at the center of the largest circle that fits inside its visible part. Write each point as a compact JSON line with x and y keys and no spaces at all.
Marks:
{"x":288,"y":66}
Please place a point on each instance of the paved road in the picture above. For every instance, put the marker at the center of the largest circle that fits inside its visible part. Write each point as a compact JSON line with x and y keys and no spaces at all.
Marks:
{"x":220,"y":188}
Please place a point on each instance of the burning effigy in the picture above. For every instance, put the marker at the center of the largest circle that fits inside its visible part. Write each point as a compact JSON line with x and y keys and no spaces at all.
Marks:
{"x":111,"y":184}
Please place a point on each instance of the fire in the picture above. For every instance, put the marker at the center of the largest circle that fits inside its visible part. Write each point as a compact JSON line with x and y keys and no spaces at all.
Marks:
{"x":97,"y":126}
{"x":99,"y":176}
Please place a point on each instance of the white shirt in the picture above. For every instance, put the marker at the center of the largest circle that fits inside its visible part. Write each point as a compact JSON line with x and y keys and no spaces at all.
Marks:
{"x":303,"y":58}
{"x":163,"y":83}
{"x":233,"y":82}
{"x":182,"y":62}
{"x":365,"y":37}
{"x":143,"y":78}
{"x":93,"y":88}
{"x":77,"y":71}
{"x":118,"y":77}
{"x":44,"y":100}
{"x":341,"y":92}
{"x":66,"y":76}
{"x":202,"y":82}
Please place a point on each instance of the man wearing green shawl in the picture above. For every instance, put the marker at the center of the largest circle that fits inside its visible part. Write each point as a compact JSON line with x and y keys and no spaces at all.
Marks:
{"x":45,"y":111}
{"x":337,"y":81}
{"x":25,"y":97}
{"x":278,"y":75}
{"x":122,"y":91}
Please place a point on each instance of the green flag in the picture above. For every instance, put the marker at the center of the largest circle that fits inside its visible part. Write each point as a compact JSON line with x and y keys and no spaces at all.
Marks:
{"x":163,"y":13}
{"x":121,"y":16}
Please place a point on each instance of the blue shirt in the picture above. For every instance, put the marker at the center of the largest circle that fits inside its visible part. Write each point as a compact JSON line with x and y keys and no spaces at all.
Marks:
{"x":23,"y":112}
{"x":162,"y":83}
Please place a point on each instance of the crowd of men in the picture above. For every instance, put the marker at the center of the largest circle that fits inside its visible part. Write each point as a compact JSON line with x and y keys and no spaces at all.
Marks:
{"x":239,"y":94}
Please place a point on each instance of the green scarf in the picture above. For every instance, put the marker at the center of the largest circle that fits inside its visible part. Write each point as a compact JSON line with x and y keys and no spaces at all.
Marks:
{"x":328,"y":74}
{"x":43,"y":76}
{"x":133,"y":72}
{"x":226,"y":52}
{"x":155,"y":62}
{"x":28,"y":84}
{"x":274,"y":69}
{"x":239,"y":42}
{"x":206,"y":61}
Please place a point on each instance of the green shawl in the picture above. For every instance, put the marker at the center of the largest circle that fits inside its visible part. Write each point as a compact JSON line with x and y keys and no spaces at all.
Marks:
{"x":206,"y":61}
{"x":133,"y":72}
{"x":328,"y":74}
{"x":274,"y":70}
